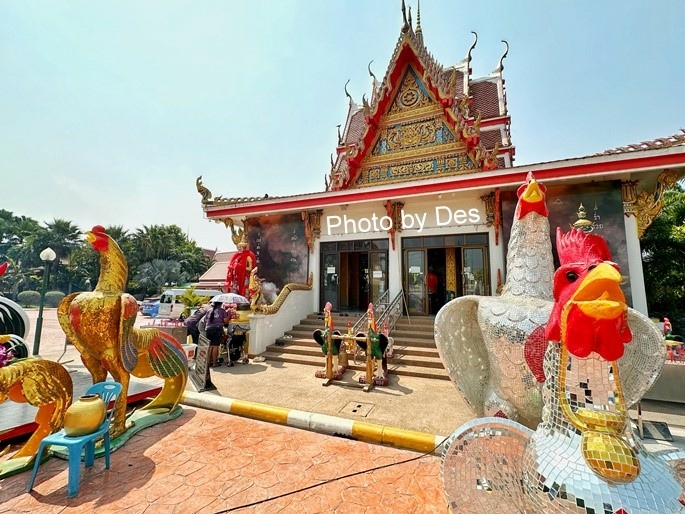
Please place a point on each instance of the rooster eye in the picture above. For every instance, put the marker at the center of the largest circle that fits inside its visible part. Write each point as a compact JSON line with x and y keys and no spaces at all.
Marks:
{"x":571,"y":276}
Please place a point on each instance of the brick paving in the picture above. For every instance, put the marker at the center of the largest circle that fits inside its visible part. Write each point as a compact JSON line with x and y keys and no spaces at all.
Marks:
{"x":209,"y":462}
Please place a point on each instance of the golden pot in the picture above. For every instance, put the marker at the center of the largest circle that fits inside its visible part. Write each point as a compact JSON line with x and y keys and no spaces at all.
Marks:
{"x":85,"y":415}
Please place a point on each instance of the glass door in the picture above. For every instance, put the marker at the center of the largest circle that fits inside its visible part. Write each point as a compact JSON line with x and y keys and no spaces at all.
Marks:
{"x":378,"y":264}
{"x":474,"y":275}
{"x":330,"y":269}
{"x":415,"y":281}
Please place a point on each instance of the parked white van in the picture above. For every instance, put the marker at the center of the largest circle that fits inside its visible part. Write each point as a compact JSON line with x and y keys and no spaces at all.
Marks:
{"x":171,"y":307}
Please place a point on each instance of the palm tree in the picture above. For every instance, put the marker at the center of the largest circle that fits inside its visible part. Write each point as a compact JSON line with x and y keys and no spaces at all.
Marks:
{"x":156,"y":274}
{"x":63,"y":237}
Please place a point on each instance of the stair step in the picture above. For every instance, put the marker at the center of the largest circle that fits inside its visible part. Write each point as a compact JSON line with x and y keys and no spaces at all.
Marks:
{"x":401,"y":356}
{"x":393,"y":368}
{"x":415,"y":353}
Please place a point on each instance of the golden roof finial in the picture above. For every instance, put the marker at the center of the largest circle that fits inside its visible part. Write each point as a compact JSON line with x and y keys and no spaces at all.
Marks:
{"x":500,"y":66}
{"x":348,"y":94}
{"x":418,"y":20}
{"x":405,"y":25}
{"x":409,"y":19}
{"x":468,"y":55}
{"x":375,"y":80}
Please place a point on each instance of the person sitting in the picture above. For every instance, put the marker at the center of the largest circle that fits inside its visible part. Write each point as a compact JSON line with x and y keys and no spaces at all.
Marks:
{"x":193,"y":323}
{"x":215,"y":320}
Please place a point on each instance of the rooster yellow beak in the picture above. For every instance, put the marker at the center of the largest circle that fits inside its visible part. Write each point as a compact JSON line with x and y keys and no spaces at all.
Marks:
{"x":90,"y":237}
{"x":599,"y":294}
{"x":532,"y":193}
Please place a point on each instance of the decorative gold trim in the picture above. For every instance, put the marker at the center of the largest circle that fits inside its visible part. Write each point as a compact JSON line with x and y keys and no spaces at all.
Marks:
{"x":427,"y":111}
{"x":312,"y":226}
{"x":648,"y":205}
{"x":273,"y":308}
{"x":451,"y":269}
{"x":489,"y":201}
{"x":414,"y":154}
{"x":629,"y":196}
{"x":315,"y":223}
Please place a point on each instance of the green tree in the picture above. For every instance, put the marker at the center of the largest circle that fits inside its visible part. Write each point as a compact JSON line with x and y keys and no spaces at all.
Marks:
{"x":168,"y":242}
{"x":663,"y":254}
{"x":153,"y":276}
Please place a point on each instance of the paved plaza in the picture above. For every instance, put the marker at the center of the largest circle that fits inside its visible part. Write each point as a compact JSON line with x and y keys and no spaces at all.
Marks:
{"x":207,"y":461}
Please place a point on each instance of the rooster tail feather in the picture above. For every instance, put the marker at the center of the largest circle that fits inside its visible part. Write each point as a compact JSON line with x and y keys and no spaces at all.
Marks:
{"x":167,"y":357}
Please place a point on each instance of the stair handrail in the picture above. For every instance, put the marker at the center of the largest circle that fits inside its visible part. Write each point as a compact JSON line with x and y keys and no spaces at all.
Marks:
{"x":361,"y":322}
{"x":390,"y":312}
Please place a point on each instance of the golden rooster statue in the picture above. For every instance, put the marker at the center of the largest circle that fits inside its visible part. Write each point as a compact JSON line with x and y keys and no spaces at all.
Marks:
{"x":43,"y":384}
{"x":100,"y":324}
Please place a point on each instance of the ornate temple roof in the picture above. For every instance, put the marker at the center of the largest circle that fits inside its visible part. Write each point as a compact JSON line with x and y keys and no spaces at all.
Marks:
{"x":421,"y":109}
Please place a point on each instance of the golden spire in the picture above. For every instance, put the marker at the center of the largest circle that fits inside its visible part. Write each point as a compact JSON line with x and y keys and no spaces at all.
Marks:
{"x":405,"y":25}
{"x":419,"y":33}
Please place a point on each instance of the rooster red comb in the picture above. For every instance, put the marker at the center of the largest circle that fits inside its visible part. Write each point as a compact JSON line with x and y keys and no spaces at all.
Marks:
{"x":579,"y":246}
{"x":98,"y":229}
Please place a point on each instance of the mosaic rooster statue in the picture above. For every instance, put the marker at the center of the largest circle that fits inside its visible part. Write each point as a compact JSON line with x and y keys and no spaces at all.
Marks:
{"x":41,"y":383}
{"x":100,"y":324}
{"x":330,"y":346}
{"x":376,"y":357}
{"x":584,"y":456}
{"x":493,"y":347}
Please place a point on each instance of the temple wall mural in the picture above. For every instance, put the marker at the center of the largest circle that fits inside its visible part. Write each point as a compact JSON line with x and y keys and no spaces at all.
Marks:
{"x":280,"y":245}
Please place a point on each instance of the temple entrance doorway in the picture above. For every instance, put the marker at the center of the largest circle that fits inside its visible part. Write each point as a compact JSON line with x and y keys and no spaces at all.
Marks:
{"x":460,"y":262}
{"x":353,"y":274}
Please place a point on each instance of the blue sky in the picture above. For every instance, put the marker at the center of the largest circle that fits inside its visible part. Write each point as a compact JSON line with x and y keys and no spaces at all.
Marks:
{"x":110,"y":110}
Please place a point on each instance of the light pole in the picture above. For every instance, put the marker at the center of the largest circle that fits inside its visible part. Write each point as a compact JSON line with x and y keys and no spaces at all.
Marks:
{"x":87,"y":284}
{"x":47,"y":256}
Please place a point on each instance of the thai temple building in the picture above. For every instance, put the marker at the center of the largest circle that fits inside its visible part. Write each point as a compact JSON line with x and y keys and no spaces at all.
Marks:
{"x":424,"y":177}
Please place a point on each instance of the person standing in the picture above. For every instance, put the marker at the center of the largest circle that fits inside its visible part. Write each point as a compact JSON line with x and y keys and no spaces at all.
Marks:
{"x":432,"y":286}
{"x":193,"y":323}
{"x":215,"y":321}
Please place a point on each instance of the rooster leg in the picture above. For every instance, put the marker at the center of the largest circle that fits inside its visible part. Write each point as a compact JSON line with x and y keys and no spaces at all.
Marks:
{"x":170,"y":395}
{"x":119,"y":417}
{"x":94,"y":367}
{"x":45,"y":428}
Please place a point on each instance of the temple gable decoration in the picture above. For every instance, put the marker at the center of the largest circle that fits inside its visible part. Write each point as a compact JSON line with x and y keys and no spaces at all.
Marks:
{"x":418,"y":123}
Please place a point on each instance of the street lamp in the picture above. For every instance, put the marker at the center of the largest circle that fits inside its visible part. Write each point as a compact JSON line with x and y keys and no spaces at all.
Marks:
{"x":47,"y":256}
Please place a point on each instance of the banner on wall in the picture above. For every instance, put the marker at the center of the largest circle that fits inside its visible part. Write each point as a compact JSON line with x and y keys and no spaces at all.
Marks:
{"x":602,"y":207}
{"x":280,"y":246}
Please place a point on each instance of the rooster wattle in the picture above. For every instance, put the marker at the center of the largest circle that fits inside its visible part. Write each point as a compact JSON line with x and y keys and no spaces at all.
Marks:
{"x":100,"y":324}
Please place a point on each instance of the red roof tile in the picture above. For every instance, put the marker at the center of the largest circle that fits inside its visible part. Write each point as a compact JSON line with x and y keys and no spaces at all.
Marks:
{"x":356,"y":127}
{"x":491,"y":137}
{"x":654,"y":144}
{"x":485,"y":99}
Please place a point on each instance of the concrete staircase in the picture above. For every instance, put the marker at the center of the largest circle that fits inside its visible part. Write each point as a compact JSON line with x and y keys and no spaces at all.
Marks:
{"x":415,"y":353}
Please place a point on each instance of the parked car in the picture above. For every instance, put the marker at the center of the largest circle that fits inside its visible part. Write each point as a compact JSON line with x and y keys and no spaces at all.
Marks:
{"x":151,"y":306}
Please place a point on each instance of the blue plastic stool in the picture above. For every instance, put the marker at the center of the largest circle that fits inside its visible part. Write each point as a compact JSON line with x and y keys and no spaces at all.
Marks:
{"x":108,"y":391}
